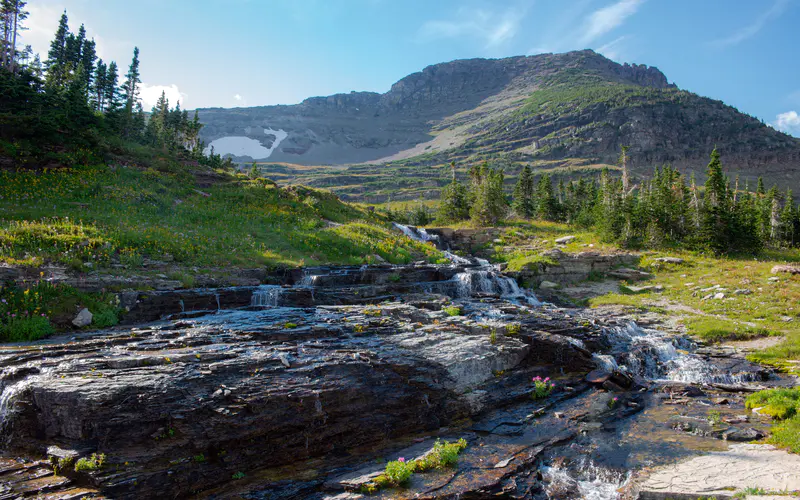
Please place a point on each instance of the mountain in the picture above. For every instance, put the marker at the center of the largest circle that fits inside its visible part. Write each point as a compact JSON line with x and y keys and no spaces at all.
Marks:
{"x":575,"y":108}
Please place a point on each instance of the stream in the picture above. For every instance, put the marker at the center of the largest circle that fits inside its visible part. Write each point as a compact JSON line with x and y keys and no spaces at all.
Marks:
{"x":303,"y":388}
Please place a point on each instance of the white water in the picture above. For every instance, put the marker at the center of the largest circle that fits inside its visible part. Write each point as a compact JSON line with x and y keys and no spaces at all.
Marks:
{"x":266,"y":295}
{"x":656,"y":355}
{"x":484,"y":279}
{"x":246,"y":146}
{"x":593,"y":483}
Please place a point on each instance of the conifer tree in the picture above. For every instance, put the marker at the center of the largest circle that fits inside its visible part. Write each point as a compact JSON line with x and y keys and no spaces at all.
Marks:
{"x":522,"y":199}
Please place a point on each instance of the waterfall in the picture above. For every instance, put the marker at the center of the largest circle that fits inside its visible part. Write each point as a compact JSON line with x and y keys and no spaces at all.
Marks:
{"x":483,"y":280}
{"x":266,"y":295}
{"x":416,"y":233}
{"x":656,"y":355}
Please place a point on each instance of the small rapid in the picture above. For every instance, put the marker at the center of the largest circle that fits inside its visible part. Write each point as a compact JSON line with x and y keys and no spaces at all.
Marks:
{"x":658,"y":356}
{"x":483,"y":278}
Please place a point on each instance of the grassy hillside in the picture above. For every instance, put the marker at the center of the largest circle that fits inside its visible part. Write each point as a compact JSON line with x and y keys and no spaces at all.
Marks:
{"x":149,"y":205}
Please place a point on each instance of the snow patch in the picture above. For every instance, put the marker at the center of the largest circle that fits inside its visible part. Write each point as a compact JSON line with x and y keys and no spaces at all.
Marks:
{"x":245,"y":146}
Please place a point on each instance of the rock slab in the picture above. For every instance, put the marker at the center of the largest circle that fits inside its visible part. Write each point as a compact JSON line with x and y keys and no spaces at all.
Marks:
{"x":741,"y":466}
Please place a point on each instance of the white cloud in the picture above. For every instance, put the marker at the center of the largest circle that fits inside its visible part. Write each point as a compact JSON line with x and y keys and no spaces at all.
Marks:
{"x":237,"y":97}
{"x":608,"y":18}
{"x":752,"y":29}
{"x":788,"y":122}
{"x":151,"y":93}
{"x":42,"y":24}
{"x":614,"y":49}
{"x":493,"y":28}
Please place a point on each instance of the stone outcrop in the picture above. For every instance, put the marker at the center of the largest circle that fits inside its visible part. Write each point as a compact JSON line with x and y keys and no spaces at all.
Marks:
{"x":574,"y":267}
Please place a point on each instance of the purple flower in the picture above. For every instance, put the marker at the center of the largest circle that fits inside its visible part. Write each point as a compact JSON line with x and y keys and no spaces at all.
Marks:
{"x":616,"y":399}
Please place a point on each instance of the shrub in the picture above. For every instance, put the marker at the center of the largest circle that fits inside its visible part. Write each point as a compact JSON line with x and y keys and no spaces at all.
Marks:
{"x":513,"y":329}
{"x":452,"y":310}
{"x":714,"y":417}
{"x":542,"y":387}
{"x":290,"y":326}
{"x":105,"y":318}
{"x":443,"y":455}
{"x":399,"y":471}
{"x":95,"y":462}
{"x":23,"y":329}
{"x":493,"y":336}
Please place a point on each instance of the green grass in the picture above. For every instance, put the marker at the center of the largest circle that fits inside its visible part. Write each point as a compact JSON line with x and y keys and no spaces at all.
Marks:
{"x":713,"y":329}
{"x":784,"y":406}
{"x":91,"y":217}
{"x":36,"y":310}
{"x":778,"y":403}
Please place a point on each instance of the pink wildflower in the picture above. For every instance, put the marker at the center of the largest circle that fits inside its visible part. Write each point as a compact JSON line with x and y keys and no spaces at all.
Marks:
{"x":401,"y":459}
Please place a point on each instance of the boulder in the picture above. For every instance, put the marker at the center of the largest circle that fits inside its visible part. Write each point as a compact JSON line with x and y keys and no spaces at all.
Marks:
{"x":743,"y":435}
{"x":548,"y":285}
{"x":669,"y":260}
{"x":789,"y":269}
{"x":628,"y":274}
{"x":564,"y":240}
{"x":83,"y":318}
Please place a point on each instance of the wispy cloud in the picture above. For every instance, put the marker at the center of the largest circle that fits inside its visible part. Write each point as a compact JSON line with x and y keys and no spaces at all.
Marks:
{"x":492,"y":27}
{"x":615,"y":48}
{"x":608,"y":18}
{"x":788,"y":122}
{"x":753,"y":28}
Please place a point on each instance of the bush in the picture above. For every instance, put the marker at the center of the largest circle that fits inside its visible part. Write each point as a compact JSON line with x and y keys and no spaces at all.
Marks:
{"x":399,"y":471}
{"x":452,"y":310}
{"x":26,"y":329}
{"x":105,"y":318}
{"x":95,"y":462}
{"x":443,"y":455}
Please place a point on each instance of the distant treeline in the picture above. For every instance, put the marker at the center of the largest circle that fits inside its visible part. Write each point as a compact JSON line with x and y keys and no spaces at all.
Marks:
{"x":661,"y":211}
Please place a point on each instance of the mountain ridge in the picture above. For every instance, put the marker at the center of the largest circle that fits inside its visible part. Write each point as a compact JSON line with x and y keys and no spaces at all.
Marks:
{"x":575,"y":105}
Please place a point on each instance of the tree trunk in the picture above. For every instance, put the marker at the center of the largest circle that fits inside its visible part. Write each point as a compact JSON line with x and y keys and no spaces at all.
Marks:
{"x":13,"y":65}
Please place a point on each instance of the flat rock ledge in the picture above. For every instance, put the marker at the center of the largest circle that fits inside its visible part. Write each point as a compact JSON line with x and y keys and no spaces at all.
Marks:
{"x":722,"y":474}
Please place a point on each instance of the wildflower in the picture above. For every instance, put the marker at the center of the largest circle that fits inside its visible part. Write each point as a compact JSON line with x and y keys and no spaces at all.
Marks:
{"x":616,"y":399}
{"x":401,"y":459}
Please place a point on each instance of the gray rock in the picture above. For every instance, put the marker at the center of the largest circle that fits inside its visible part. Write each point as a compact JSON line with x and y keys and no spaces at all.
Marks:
{"x":742,"y":291}
{"x":669,"y":260}
{"x":83,"y":318}
{"x":548,"y":285}
{"x":719,"y":296}
{"x":564,"y":240}
{"x":788,"y":269}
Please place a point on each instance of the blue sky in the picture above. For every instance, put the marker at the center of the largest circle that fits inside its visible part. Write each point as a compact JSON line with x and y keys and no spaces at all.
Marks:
{"x":256,"y":52}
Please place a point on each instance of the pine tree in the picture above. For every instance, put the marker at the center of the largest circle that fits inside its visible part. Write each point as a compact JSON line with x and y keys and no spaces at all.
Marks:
{"x":787,"y":220}
{"x":715,"y":229}
{"x":12,"y":15}
{"x":545,"y":199}
{"x":56,"y":64}
{"x":454,"y":206}
{"x":111,"y":97}
{"x":99,"y":86}
{"x":522,"y":199}
{"x":88,"y":58}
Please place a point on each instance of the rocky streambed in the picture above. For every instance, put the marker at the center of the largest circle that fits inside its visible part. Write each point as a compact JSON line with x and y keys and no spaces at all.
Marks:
{"x":304,"y":389}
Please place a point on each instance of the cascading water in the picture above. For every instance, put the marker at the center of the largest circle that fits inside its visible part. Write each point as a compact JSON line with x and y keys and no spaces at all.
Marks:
{"x":483,"y":279}
{"x":591,"y":483}
{"x":655,"y":355}
{"x":266,"y":295}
